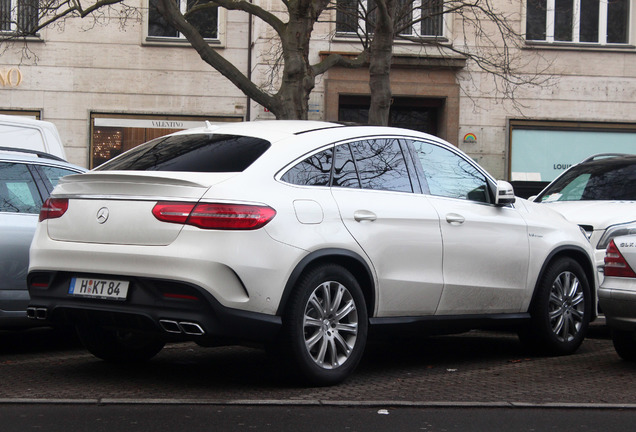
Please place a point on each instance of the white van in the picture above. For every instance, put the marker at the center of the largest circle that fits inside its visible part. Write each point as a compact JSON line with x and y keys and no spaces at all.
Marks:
{"x":26,"y":133}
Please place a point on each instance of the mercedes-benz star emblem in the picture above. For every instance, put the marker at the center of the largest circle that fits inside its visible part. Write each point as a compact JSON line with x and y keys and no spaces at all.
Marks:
{"x":102,"y":215}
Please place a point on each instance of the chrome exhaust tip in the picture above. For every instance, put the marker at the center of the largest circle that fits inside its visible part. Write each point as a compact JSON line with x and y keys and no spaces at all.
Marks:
{"x":39,"y":313}
{"x":170,"y":326}
{"x":191,"y":328}
{"x":178,"y":327}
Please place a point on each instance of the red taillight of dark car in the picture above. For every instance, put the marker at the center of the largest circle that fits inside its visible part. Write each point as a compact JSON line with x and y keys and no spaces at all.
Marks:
{"x":53,"y":208}
{"x":615,"y":263}
{"x":215,"y":216}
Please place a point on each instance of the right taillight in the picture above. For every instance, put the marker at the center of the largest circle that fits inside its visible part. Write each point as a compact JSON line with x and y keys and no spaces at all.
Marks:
{"x":215,"y":215}
{"x":53,"y":208}
{"x":615,"y":263}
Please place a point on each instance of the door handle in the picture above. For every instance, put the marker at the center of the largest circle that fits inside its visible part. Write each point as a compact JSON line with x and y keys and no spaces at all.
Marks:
{"x":364,"y":215}
{"x":455,"y":219}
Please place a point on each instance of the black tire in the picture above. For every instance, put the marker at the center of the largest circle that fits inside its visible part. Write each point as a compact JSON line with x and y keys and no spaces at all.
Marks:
{"x":319,"y":346}
{"x":625,"y":344}
{"x":118,"y":346}
{"x":560,"y":311}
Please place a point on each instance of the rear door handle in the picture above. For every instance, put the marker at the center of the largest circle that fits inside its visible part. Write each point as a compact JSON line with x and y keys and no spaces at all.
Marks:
{"x":364,"y":215}
{"x":455,"y":219}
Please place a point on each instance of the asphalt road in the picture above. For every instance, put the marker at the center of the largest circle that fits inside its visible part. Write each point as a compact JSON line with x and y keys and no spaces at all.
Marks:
{"x":206,"y":418}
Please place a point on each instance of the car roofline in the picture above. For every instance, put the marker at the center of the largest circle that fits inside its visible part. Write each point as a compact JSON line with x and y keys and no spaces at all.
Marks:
{"x":39,"y":154}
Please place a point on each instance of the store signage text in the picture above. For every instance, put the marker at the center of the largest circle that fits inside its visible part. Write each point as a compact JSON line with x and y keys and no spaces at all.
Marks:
{"x":561,"y":166}
{"x":10,"y":77}
{"x":167,"y":124}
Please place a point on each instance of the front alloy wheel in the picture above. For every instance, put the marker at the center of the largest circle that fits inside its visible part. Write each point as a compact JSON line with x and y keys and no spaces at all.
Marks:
{"x":561,"y":309}
{"x":325,"y":326}
{"x":566,"y":306}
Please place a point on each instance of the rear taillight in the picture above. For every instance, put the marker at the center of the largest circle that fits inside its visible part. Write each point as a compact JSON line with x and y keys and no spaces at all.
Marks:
{"x":615,"y":263}
{"x":53,"y":208}
{"x":215,"y":216}
{"x":173,"y":212}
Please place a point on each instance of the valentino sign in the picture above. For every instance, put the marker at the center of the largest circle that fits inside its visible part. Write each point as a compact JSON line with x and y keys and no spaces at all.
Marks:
{"x":10,"y":77}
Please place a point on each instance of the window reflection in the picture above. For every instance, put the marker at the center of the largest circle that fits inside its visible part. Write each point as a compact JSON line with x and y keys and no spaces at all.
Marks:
{"x":381,"y":165}
{"x":18,"y":193}
{"x":449,"y":175}
{"x":344,"y":172}
{"x":313,"y":171}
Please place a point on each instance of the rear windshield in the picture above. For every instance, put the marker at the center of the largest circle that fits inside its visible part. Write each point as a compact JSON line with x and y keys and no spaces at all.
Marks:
{"x":191,"y":153}
{"x":609,"y":181}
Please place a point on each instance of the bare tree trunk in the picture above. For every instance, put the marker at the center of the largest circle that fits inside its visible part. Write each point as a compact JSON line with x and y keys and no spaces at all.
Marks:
{"x":298,"y":78}
{"x":381,"y":54}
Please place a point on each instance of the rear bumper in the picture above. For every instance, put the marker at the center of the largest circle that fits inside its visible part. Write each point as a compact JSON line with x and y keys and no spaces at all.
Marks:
{"x":243,"y":270}
{"x":170,"y":310}
{"x":617,"y":298}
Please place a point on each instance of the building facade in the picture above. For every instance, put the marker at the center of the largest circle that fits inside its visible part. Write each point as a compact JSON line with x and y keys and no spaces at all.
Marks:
{"x":110,"y":85}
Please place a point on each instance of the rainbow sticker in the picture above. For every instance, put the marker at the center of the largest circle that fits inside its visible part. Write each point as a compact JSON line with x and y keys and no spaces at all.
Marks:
{"x":470,"y":137}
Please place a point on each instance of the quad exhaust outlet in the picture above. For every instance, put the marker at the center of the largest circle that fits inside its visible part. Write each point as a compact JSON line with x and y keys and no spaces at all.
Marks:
{"x":178,"y":327}
{"x":38,"y":313}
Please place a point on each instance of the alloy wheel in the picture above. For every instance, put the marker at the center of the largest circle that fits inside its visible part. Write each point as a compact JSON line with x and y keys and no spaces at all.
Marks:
{"x":566,"y":306}
{"x":330,"y":325}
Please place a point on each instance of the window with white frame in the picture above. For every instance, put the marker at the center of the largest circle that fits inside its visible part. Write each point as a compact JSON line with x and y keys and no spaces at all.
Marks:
{"x":601,"y":22}
{"x":18,"y":16}
{"x":418,"y":18}
{"x":203,"y":17}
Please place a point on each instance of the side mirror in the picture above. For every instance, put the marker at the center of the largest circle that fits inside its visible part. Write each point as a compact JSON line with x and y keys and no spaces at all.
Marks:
{"x":505,"y":193}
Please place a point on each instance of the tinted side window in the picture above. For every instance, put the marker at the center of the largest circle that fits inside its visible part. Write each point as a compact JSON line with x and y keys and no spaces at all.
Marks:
{"x":449,"y":175}
{"x":381,"y":165}
{"x":18,"y":192}
{"x":313,"y":171}
{"x":192,"y":153}
{"x":344,"y":171}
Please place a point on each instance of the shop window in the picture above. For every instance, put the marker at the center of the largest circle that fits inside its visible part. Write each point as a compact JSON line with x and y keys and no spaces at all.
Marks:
{"x":540,"y":151}
{"x":419,"y":18}
{"x":19,"y":16}
{"x":204,"y":18}
{"x":585,"y":21}
{"x":112,"y":135}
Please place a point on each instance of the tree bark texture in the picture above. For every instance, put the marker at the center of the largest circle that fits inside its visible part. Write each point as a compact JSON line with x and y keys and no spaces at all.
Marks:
{"x":381,"y":54}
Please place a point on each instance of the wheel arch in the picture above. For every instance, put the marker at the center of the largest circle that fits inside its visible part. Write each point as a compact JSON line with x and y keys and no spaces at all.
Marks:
{"x":351,"y":261}
{"x":580,"y":256}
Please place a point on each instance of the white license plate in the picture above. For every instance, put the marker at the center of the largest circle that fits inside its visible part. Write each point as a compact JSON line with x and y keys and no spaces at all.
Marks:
{"x":99,"y":288}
